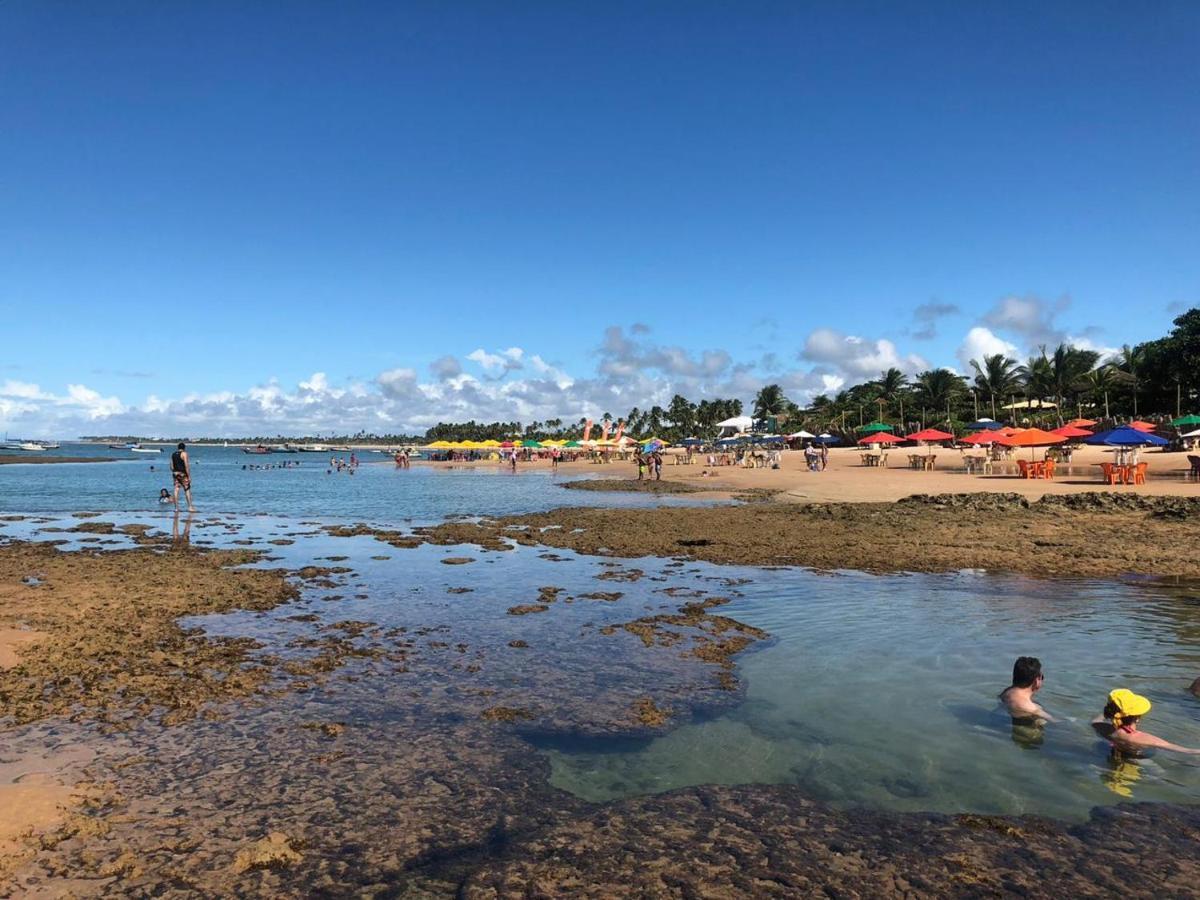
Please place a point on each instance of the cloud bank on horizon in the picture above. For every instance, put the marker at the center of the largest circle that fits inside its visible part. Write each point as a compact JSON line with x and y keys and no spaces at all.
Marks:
{"x":514,"y":384}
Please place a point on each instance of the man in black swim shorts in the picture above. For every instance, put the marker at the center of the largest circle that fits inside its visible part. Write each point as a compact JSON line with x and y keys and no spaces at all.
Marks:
{"x":181,"y":474}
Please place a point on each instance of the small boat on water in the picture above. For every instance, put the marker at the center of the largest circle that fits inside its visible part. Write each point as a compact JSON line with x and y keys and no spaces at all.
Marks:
{"x":283,"y":448}
{"x":138,"y":448}
{"x":30,"y":446}
{"x":260,"y":449}
{"x":313,"y":448}
{"x":120,"y":446}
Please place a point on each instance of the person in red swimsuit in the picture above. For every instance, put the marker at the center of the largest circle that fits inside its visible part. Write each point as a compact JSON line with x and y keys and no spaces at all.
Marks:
{"x":1118,"y":724}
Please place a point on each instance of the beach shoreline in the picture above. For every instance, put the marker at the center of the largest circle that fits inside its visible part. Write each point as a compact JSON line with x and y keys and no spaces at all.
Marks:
{"x":8,"y":459}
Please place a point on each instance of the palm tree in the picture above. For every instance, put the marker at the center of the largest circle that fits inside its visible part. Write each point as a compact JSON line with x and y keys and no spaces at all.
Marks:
{"x":1069,"y":367}
{"x":770,"y":402}
{"x":939,"y":388}
{"x":997,"y":374}
{"x":1100,"y":382}
{"x":1130,"y":362}
{"x":1036,"y":377}
{"x":891,"y":386}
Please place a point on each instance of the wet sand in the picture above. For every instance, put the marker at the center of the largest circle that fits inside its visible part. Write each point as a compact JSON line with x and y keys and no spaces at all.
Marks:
{"x":1094,"y":535}
{"x":95,"y":634}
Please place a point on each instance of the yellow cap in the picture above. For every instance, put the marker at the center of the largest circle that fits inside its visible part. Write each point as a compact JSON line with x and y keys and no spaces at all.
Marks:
{"x":1128,"y":703}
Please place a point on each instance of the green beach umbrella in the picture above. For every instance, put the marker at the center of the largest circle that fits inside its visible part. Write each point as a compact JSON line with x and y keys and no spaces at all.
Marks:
{"x":1186,"y":420}
{"x":530,"y":443}
{"x":572,"y":444}
{"x":875,"y":428}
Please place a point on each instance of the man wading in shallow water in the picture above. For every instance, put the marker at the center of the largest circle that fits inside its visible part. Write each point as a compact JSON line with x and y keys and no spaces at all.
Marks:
{"x":181,"y":473}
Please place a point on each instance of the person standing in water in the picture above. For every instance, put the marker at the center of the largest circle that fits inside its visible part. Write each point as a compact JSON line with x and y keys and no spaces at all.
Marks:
{"x":181,"y":474}
{"x":1027,"y":680}
{"x":1118,"y":725}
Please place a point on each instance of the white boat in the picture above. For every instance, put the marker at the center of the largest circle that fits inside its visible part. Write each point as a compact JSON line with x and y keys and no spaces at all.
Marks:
{"x":138,"y":448}
{"x":30,"y":446}
{"x":313,"y":448}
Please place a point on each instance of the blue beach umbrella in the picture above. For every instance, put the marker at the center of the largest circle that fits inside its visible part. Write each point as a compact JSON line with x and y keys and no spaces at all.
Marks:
{"x":1126,"y":437}
{"x":826,"y":438}
{"x":985,"y":425}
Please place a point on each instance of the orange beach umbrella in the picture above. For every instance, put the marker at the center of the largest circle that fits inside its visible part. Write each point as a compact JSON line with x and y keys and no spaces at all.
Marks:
{"x":1031,"y":437}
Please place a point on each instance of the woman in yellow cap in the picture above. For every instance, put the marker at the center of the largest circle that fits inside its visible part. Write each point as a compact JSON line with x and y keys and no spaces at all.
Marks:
{"x":1118,"y":724}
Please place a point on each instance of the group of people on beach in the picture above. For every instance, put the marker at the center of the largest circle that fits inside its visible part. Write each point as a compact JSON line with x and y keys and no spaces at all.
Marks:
{"x":1118,"y":723}
{"x":649,"y":464}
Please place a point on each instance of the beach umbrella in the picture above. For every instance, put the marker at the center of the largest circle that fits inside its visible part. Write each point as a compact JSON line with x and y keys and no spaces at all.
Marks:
{"x":1186,"y":420}
{"x":929,"y":437}
{"x":691,"y":442}
{"x":1126,"y":436}
{"x":801,"y":435}
{"x":1081,"y":423}
{"x":572,"y":444}
{"x":1031,"y":437}
{"x":826,"y":438}
{"x":985,"y":424}
{"x":1192,"y":434}
{"x":1071,"y":431}
{"x":507,"y":444}
{"x":530,"y":443}
{"x":874,"y":428}
{"x":879,"y":437}
{"x":1138,"y":425}
{"x":982,"y":437}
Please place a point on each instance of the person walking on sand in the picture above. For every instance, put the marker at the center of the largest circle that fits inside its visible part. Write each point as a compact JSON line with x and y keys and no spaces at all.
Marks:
{"x":1118,"y":725}
{"x":1027,"y":680}
{"x":181,"y":474}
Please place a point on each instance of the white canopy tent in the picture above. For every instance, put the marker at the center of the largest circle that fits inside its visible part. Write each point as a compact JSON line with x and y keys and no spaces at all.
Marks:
{"x":736,"y":425}
{"x":1031,"y":404}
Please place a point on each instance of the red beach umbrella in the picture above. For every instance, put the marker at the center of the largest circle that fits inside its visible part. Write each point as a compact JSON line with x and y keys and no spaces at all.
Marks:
{"x":507,"y":444}
{"x":982,"y":438}
{"x":1142,"y":426}
{"x":929,"y":437}
{"x":1081,"y":423}
{"x":929,"y":434}
{"x":880,"y":437}
{"x":1071,"y":431}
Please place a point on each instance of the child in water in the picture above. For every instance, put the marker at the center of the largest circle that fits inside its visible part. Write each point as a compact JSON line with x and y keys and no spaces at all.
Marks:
{"x":1118,"y":724}
{"x":164,"y":496}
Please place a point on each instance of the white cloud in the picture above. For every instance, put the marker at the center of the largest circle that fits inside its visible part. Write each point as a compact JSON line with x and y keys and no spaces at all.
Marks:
{"x":856,"y":357}
{"x":981,"y":342}
{"x":505,"y":361}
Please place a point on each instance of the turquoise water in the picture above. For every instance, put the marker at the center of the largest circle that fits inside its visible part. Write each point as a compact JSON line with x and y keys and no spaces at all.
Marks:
{"x":378,"y":492}
{"x":881,"y":692}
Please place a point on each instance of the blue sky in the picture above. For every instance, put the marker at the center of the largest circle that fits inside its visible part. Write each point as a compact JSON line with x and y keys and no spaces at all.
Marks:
{"x":204,"y":204}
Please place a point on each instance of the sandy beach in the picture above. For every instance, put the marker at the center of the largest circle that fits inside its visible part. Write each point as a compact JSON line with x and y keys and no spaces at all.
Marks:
{"x":847,"y":480}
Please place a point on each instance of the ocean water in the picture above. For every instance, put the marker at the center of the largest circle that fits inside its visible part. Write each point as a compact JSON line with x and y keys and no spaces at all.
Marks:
{"x":377,"y":492}
{"x":875,"y":691}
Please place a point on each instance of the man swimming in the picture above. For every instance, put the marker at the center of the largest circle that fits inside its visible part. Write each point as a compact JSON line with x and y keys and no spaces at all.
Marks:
{"x":1027,"y":680}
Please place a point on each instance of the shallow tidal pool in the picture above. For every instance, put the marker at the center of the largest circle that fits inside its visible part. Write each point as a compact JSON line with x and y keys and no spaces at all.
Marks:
{"x":880,"y":691}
